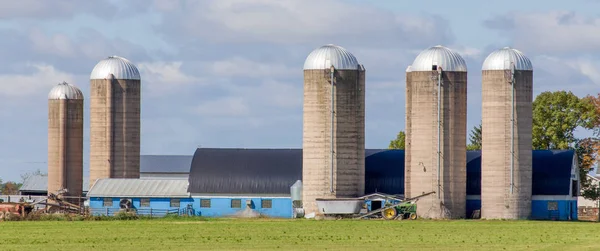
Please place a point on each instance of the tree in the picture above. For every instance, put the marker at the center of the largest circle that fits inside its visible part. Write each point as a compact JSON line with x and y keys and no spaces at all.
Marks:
{"x":37,"y":172}
{"x":399,"y":142}
{"x":475,"y":139}
{"x":556,"y":115}
{"x":10,"y":188}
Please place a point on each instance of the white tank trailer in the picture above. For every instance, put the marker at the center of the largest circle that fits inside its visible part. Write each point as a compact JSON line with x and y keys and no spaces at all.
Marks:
{"x":333,"y":126}
{"x":506,"y":172}
{"x":436,"y":117}
{"x":114,"y":120}
{"x":65,"y":142}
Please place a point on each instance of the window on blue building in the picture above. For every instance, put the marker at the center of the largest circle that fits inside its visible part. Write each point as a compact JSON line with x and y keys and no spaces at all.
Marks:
{"x":266,"y":203}
{"x":205,"y":203}
{"x":145,"y":202}
{"x":107,"y":202}
{"x":174,"y":202}
{"x":236,"y":203}
{"x":552,"y":205}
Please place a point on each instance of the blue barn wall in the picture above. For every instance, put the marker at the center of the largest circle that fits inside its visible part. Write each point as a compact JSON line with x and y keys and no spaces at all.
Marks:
{"x":281,"y":207}
{"x":158,"y":205}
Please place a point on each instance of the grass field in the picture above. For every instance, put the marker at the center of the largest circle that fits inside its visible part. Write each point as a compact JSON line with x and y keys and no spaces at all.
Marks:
{"x":261,"y":234}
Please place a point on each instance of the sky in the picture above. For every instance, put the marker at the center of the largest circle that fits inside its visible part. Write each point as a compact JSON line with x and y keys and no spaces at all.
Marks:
{"x":228,"y":73}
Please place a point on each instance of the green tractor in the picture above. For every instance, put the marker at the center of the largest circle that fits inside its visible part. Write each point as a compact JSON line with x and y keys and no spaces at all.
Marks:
{"x":403,"y":210}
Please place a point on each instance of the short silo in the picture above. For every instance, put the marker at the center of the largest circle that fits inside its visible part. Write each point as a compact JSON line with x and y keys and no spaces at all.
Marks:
{"x":114,"y":120}
{"x":65,"y":142}
{"x":507,"y":95}
{"x":436,"y":117}
{"x":333,"y":126}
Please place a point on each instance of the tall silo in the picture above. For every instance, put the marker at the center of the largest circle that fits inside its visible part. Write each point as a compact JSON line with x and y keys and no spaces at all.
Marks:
{"x":333,"y":126}
{"x":114,"y":120}
{"x":65,"y":142}
{"x":507,"y":94}
{"x":436,"y":118}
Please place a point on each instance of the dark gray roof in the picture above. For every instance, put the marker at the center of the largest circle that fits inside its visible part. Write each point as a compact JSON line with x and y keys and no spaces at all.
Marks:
{"x":245,"y":171}
{"x":165,"y":163}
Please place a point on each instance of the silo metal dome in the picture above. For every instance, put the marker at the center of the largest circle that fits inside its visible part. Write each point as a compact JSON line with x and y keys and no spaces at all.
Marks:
{"x":120,"y":67}
{"x":65,"y":90}
{"x":502,"y":58}
{"x":330,"y":54}
{"x":439,"y":55}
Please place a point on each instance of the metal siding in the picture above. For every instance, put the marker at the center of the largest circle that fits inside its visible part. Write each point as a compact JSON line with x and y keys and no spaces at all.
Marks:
{"x":323,"y":57}
{"x":39,"y":183}
{"x":245,"y":171}
{"x":165,"y":163}
{"x":473,"y":173}
{"x":501,"y":59}
{"x":221,"y":207}
{"x":440,"y":55}
{"x":471,"y":206}
{"x":539,"y":210}
{"x":384,"y":171}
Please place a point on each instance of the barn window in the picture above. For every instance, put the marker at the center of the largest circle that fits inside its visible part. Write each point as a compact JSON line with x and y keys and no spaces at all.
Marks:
{"x":205,"y":203}
{"x":266,"y":203}
{"x":107,"y":202}
{"x":552,"y":205}
{"x":145,"y":202}
{"x":236,"y":203}
{"x":174,"y":202}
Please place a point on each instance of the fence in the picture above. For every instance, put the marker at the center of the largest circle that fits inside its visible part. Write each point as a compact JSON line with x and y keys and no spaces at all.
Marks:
{"x":146,"y":212}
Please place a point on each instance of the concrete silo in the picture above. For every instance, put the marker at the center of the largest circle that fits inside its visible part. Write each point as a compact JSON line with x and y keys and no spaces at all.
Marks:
{"x":333,"y":126}
{"x":114,"y":120}
{"x":507,"y":95}
{"x":436,"y":117}
{"x":65,"y":142}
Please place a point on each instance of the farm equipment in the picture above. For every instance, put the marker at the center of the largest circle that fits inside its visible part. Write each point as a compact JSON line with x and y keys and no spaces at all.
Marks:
{"x":404,"y":209}
{"x":11,"y":209}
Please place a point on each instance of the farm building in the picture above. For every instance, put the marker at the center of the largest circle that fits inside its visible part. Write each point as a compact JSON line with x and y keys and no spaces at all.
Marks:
{"x":147,"y":196}
{"x":555,"y":184}
{"x":225,"y":182}
{"x":152,"y":167}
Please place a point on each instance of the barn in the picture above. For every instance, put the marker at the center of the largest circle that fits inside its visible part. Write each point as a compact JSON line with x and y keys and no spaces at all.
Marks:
{"x":230,"y":182}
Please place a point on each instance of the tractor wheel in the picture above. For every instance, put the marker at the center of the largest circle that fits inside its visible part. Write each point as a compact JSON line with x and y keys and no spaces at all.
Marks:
{"x":412,"y":216}
{"x":389,"y":214}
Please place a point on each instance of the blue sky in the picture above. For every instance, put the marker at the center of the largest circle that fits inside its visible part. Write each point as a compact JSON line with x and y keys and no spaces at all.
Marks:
{"x":229,"y":73}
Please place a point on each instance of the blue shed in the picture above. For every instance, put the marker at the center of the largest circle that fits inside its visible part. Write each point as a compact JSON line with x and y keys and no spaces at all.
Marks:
{"x":555,"y":184}
{"x":156,"y":197}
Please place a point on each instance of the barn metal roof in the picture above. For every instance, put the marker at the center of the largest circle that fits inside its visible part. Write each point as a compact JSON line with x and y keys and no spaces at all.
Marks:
{"x":273,"y":171}
{"x":439,"y":55}
{"x":327,"y":55}
{"x":165,"y":163}
{"x":139,"y":188}
{"x":65,"y":90}
{"x":551,"y":172}
{"x":39,"y":183}
{"x":501,"y":60}
{"x":120,"y":67}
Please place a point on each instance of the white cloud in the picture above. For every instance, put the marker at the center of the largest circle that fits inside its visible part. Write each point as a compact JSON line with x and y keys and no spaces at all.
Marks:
{"x":56,"y":44}
{"x":161,"y":77}
{"x":56,"y":9}
{"x":550,"y":32}
{"x":241,"y":67}
{"x":41,"y":80}
{"x":297,"y":22}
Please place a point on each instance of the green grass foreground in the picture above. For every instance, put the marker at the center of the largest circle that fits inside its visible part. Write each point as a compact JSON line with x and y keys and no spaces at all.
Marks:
{"x":261,"y":234}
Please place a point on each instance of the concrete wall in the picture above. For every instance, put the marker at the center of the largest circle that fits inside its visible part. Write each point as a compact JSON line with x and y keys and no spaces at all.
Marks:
{"x":114,"y":129}
{"x":349,"y":136}
{"x":421,"y":120}
{"x":497,"y":200}
{"x":65,"y":147}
